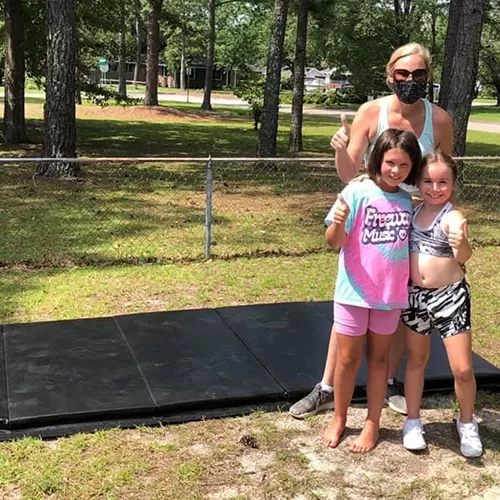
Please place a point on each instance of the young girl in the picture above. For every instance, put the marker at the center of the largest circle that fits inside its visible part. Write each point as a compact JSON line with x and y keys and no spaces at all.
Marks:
{"x":439,"y":300}
{"x":370,"y":221}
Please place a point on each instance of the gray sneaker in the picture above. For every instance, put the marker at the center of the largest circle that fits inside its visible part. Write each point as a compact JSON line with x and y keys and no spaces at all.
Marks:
{"x":316,"y":401}
{"x":395,"y":400}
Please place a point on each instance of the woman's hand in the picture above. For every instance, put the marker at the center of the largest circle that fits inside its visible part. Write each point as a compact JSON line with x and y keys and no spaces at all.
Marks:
{"x":340,"y":140}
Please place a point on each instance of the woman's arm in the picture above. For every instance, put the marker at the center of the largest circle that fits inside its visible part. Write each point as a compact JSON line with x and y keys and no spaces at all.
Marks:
{"x":443,"y":130}
{"x":351,"y":145}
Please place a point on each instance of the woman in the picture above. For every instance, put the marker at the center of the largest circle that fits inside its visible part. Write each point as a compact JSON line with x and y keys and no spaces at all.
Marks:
{"x":408,"y":72}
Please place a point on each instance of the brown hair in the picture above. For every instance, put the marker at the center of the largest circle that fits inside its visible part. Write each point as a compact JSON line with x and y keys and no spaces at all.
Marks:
{"x":396,"y":139}
{"x":438,"y":156}
{"x":410,"y":49}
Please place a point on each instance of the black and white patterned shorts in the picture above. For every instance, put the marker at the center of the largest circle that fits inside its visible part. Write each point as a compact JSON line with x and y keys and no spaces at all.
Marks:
{"x":444,"y":310}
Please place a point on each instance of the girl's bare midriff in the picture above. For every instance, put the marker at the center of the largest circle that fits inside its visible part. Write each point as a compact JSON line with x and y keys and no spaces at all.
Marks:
{"x":434,"y":272}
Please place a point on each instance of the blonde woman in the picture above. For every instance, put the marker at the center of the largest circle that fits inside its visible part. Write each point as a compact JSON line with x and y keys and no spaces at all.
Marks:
{"x":408,"y":72}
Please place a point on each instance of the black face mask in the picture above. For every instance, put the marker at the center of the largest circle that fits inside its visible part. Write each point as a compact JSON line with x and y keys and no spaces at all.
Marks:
{"x":409,"y":92}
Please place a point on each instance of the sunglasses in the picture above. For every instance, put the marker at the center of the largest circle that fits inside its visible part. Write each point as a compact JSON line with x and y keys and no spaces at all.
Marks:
{"x":419,"y":75}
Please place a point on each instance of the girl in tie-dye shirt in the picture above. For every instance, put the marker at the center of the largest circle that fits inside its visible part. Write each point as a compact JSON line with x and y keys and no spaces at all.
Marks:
{"x":370,"y":223}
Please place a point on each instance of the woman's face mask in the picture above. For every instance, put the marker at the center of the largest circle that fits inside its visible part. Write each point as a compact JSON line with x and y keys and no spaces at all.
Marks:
{"x":409,"y":92}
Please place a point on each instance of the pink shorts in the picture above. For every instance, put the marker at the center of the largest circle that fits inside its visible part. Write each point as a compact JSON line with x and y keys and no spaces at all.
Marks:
{"x":356,"y":321}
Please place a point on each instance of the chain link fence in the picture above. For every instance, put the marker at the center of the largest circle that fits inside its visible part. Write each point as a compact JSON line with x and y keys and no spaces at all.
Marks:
{"x":137,"y":210}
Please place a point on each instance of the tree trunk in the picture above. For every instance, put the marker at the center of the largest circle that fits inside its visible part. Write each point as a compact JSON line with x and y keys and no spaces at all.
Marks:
{"x":14,"y":127}
{"x":454,"y":16}
{"x":493,"y":67}
{"x":59,"y":125}
{"x":295,"y":138}
{"x":206,"y":105}
{"x":122,"y":77}
{"x":153,"y":47}
{"x":269,"y":126}
{"x":463,"y":39}
{"x":403,"y":19}
{"x":183,"y":61}
{"x":137,"y":30}
{"x":434,"y":15}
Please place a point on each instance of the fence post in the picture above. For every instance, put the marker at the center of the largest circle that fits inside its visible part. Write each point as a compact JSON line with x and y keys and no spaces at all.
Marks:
{"x":208,"y":208}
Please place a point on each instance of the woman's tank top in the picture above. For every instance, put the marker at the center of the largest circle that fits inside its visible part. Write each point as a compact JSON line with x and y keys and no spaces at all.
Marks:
{"x":426,"y":139}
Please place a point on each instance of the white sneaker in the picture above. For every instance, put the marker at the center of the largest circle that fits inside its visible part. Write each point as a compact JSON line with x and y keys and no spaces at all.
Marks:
{"x":470,"y":444}
{"x":413,"y":435}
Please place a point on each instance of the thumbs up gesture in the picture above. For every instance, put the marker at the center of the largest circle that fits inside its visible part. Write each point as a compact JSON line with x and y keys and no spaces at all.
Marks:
{"x":341,"y":211}
{"x":340,"y":140}
{"x":458,"y":234}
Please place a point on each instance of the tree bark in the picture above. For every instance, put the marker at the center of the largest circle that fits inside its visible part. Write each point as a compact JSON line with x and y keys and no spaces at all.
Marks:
{"x":454,"y":16}
{"x":269,"y":126}
{"x":59,"y":111}
{"x":183,"y":60}
{"x":403,"y":10}
{"x":137,"y":30}
{"x":14,"y":125}
{"x":122,"y":77}
{"x":206,"y":105}
{"x":295,"y":139}
{"x":493,"y":67}
{"x":463,"y":39}
{"x":434,"y":15}
{"x":153,"y":47}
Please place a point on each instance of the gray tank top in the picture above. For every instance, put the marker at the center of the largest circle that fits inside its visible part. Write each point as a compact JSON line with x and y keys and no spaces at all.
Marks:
{"x":432,"y":241}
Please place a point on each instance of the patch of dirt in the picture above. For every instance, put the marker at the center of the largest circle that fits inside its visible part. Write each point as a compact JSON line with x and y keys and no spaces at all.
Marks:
{"x":11,"y":493}
{"x":254,"y":462}
{"x":142,"y":113}
{"x":199,"y":449}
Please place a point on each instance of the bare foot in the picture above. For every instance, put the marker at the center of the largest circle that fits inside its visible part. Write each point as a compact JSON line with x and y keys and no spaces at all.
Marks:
{"x":367,"y":440}
{"x":333,"y":433}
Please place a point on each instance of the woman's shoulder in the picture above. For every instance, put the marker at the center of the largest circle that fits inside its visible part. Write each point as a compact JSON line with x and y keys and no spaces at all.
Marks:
{"x":369,"y":109}
{"x":440,"y":116}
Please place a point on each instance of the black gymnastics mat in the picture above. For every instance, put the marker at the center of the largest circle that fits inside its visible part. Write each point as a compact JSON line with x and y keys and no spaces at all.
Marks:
{"x":62,"y":377}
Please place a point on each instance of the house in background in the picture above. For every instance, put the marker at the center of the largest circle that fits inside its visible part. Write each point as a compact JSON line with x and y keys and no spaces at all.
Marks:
{"x":321,"y":80}
{"x":195,"y":75}
{"x":315,"y":80}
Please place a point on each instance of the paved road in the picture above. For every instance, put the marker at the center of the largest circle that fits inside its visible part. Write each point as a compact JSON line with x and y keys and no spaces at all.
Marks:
{"x":286,"y":108}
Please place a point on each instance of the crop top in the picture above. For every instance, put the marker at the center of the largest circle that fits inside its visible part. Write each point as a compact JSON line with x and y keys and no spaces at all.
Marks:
{"x":432,"y":241}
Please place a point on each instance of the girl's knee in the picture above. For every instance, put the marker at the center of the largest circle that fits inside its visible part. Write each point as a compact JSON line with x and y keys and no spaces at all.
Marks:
{"x":378,"y":359}
{"x":417,"y":360}
{"x":463,"y":374}
{"x":350,"y":361}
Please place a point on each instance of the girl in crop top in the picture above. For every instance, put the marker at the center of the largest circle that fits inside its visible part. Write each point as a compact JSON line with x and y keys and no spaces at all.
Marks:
{"x":439,"y":301}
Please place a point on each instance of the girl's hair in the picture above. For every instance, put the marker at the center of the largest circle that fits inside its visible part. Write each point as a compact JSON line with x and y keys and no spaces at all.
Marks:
{"x":395,"y":139}
{"x":410,"y":49}
{"x":437,"y":156}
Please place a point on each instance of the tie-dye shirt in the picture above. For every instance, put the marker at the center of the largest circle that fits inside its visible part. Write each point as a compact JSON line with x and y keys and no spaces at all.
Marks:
{"x":373,"y":268}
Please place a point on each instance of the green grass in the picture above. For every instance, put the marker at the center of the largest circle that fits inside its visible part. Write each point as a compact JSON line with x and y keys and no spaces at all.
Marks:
{"x":485,"y":113}
{"x":54,"y":231}
{"x":156,"y":212}
{"x":92,"y":292}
